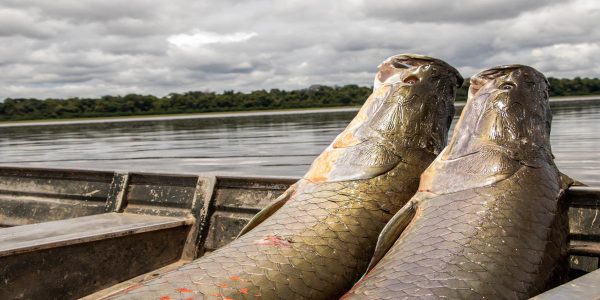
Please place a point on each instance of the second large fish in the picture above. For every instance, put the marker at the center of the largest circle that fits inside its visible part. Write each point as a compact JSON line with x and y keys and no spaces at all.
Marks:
{"x":488,"y":221}
{"x":318,"y":237}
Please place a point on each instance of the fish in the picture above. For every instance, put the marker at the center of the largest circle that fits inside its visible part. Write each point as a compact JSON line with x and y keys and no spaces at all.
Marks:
{"x":317,"y":238}
{"x":489,"y":219}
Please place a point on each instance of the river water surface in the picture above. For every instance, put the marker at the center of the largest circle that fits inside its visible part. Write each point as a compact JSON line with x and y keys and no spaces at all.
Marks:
{"x":271,"y":145}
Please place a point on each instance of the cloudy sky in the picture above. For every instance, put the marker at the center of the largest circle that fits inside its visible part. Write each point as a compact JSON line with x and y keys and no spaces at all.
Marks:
{"x":66,"y":48}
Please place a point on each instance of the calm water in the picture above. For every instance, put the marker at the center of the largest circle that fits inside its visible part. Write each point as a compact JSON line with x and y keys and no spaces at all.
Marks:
{"x":275,"y":145}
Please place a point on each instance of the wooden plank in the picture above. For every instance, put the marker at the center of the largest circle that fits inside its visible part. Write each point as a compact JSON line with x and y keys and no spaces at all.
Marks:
{"x":224,"y":227}
{"x":116,"y":193}
{"x":584,"y":248}
{"x":251,"y":201}
{"x":583,"y":196}
{"x":52,"y":183}
{"x":201,"y":208}
{"x":76,"y":270}
{"x":271,"y":183}
{"x":18,"y":211}
{"x":584,"y":287}
{"x":55,"y":173}
{"x":30,"y":196}
{"x":584,"y":226}
{"x":160,"y":194}
{"x":34,"y":237}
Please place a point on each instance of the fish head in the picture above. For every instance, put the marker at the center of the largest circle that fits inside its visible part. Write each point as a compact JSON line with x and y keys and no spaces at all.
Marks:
{"x":411,"y":107}
{"x":416,"y":102}
{"x":504,"y":126}
{"x":507,"y":107}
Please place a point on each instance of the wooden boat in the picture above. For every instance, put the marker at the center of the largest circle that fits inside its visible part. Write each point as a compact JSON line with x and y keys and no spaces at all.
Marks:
{"x":67,"y":234}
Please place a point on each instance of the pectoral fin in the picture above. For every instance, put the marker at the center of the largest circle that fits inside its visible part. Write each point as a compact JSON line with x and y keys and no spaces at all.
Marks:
{"x":566,"y":181}
{"x":392,"y":231}
{"x":268,"y":211}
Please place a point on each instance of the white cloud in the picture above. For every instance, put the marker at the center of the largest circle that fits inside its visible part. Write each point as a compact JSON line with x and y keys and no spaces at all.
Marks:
{"x":200,"y":38}
{"x":568,"y":59}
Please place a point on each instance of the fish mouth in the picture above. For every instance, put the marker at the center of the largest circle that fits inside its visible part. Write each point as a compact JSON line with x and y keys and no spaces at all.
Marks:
{"x":408,"y":67}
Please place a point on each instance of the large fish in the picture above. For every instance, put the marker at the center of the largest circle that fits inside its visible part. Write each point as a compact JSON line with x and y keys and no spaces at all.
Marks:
{"x":488,"y":220}
{"x":317,"y":239}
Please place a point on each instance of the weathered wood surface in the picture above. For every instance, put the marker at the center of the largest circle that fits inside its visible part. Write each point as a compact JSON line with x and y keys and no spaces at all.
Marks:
{"x":30,"y":196}
{"x":585,"y":248}
{"x":584,"y":225}
{"x":236,"y":201}
{"x":584,"y":287}
{"x":27,"y":238}
{"x":75,"y":232}
{"x":75,"y":270}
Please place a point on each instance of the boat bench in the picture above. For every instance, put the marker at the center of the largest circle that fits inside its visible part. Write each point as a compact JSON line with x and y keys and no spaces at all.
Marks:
{"x":65,"y":234}
{"x":74,"y":256}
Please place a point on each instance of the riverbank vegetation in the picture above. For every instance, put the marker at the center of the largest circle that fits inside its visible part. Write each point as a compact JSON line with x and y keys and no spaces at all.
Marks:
{"x":194,"y":102}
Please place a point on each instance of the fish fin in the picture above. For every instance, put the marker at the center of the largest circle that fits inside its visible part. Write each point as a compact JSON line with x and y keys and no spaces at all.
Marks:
{"x":268,"y":211}
{"x":392,"y":231}
{"x":363,"y":161}
{"x":566,"y":181}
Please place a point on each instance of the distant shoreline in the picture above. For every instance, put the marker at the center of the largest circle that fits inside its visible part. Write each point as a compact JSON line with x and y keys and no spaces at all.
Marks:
{"x":187,"y":116}
{"x":182,"y":116}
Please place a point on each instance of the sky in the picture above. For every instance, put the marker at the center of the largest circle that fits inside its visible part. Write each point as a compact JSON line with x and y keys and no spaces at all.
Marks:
{"x":90,"y":48}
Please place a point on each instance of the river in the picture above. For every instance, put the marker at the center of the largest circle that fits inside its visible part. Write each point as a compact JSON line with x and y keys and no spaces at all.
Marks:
{"x":252,"y":144}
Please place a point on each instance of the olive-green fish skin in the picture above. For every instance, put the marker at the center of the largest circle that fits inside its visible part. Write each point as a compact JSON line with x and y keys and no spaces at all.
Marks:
{"x":490,"y":221}
{"x":319,"y":242}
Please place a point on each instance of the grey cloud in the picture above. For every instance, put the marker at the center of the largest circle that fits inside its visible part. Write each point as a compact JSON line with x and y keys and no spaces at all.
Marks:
{"x":72,"y":48}
{"x":15,"y":22}
{"x":130,"y":27}
{"x":441,"y":11}
{"x":89,"y":10}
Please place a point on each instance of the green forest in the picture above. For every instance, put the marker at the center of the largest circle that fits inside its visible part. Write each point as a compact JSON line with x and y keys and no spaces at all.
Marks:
{"x":195,"y":102}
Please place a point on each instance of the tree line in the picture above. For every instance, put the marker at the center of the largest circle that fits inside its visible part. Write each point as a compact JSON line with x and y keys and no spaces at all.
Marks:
{"x":196,"y":101}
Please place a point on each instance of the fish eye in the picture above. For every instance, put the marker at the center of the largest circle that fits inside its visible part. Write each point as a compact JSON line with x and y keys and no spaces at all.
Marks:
{"x":507,"y":86}
{"x":411,"y":80}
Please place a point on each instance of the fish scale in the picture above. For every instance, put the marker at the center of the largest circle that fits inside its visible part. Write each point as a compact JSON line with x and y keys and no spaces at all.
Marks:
{"x":316,"y":239}
{"x":309,"y":265}
{"x":466,"y":254}
{"x":488,"y":220}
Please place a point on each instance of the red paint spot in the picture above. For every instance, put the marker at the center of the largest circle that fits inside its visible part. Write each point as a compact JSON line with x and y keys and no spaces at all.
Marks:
{"x":189,"y":298}
{"x":184,"y":290}
{"x":274,"y":240}
{"x":223,"y":285}
{"x":165,"y":298}
{"x":234,"y":278}
{"x":227,"y":298}
{"x":216,"y":295}
{"x":244,"y":291}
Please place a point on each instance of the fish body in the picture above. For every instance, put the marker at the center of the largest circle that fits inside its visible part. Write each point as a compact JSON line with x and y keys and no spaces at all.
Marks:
{"x":316,"y":239}
{"x":488,"y":220}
